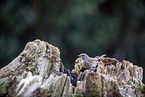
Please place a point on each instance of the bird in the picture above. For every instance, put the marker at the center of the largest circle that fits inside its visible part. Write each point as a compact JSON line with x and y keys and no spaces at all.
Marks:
{"x":89,"y":62}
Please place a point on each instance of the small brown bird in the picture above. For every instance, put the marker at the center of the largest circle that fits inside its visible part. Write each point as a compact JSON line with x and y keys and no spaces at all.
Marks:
{"x":89,"y":62}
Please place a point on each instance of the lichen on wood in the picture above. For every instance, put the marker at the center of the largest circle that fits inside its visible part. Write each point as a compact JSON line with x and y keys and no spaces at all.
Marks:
{"x":110,"y":78}
{"x":34,"y":69}
{"x":39,"y":71}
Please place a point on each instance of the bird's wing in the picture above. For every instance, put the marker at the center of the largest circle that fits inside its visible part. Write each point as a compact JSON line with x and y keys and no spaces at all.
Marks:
{"x":93,"y":59}
{"x":86,"y":64}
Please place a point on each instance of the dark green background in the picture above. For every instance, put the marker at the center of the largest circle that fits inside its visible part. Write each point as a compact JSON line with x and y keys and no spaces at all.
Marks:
{"x":96,"y":27}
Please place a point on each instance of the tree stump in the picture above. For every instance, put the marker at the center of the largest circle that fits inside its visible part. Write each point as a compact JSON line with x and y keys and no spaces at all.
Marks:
{"x":38,"y":71}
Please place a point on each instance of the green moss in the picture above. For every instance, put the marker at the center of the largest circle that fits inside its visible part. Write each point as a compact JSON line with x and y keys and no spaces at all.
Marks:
{"x":98,"y":93}
{"x":95,"y":94}
{"x":78,"y":94}
{"x":92,"y":94}
{"x":3,"y":87}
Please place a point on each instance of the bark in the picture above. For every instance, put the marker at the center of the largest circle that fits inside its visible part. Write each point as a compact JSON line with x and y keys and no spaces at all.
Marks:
{"x":38,"y":71}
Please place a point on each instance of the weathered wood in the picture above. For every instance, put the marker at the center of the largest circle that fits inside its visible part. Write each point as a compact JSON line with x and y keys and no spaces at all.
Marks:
{"x":38,"y":71}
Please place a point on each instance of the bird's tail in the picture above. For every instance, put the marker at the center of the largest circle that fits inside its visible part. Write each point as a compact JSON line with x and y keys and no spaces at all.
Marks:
{"x":102,"y":56}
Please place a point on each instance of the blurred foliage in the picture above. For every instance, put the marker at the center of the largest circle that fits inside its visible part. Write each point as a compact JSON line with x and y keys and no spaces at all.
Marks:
{"x":95,"y":27}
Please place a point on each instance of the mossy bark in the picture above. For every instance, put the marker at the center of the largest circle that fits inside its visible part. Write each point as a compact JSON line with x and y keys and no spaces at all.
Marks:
{"x":39,"y":71}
